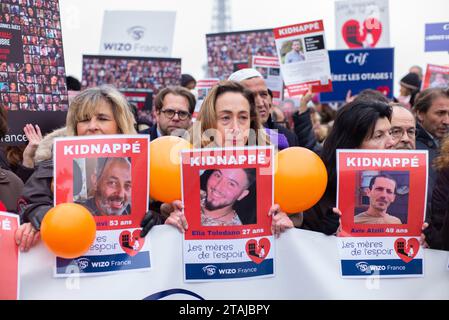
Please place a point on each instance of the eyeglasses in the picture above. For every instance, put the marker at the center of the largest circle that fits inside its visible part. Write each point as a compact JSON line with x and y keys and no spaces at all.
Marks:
{"x":182,"y":115}
{"x":398,"y":133}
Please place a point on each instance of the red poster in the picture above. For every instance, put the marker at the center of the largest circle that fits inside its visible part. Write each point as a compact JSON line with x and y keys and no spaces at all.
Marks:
{"x":381,"y":193}
{"x":436,"y":77}
{"x":199,"y":166}
{"x":82,"y":164}
{"x":9,"y":257}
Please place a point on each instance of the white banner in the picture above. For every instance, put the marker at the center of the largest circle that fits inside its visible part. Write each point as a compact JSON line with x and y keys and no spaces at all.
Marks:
{"x":139,"y":33}
{"x":307,"y":267}
{"x":362,"y":24}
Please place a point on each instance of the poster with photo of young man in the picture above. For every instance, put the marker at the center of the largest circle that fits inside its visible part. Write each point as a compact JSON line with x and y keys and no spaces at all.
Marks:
{"x":227,"y":194}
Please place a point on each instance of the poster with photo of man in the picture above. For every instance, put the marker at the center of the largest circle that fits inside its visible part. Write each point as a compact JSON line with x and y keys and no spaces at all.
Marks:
{"x":109,"y":177}
{"x":32,"y":72}
{"x":303,"y":57}
{"x":381,"y":196}
{"x":436,"y":77}
{"x":227,"y":194}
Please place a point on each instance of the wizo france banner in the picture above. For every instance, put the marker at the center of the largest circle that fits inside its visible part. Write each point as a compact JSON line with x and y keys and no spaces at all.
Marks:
{"x":138,"y":33}
{"x":108,"y":176}
{"x":362,"y":24}
{"x":360,"y":69}
{"x":309,"y":256}
{"x":382,"y":198}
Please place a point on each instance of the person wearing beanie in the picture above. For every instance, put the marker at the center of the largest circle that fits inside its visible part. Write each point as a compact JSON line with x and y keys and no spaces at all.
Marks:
{"x":410,"y":85}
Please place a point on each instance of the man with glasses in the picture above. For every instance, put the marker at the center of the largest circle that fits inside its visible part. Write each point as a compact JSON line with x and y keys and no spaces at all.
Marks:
{"x":174,"y":107}
{"x":403,"y":128}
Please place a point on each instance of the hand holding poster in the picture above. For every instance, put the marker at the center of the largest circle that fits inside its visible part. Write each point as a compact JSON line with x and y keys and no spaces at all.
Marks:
{"x":436,"y":77}
{"x":9,"y":257}
{"x":109,"y":176}
{"x":303,"y":57}
{"x":227,"y":194}
{"x":380,"y":229}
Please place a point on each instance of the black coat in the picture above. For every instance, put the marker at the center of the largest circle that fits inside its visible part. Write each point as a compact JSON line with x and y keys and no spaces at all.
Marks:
{"x":304,"y":131}
{"x":291,"y":137}
{"x":425,"y":142}
{"x":439,"y":212}
{"x":151,"y":131}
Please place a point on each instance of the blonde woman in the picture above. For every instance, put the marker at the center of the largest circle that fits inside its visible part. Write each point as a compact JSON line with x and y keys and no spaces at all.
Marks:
{"x":95,"y":111}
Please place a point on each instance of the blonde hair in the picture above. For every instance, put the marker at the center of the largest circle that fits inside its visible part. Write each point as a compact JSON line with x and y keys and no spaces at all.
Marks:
{"x":85,"y":104}
{"x":207,"y":116}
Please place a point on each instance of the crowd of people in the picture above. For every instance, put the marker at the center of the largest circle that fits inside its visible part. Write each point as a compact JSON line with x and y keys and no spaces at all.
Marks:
{"x":366,"y":121}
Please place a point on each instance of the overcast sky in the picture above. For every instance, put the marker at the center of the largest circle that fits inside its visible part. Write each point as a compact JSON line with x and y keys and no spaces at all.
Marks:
{"x":82,"y":22}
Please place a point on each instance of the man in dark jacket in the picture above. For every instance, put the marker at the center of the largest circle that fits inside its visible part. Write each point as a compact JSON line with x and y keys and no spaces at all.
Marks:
{"x":174,"y":109}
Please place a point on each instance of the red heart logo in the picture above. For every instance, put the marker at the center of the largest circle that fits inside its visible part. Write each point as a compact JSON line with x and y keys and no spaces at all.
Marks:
{"x":366,"y":36}
{"x":257,"y":251}
{"x":406,"y":250}
{"x":131,"y":243}
{"x":384,"y":89}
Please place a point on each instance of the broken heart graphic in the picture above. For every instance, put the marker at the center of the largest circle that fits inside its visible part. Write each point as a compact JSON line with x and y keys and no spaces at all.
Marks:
{"x":257,"y":251}
{"x":406,"y":250}
{"x":131,"y":243}
{"x":365,"y":36}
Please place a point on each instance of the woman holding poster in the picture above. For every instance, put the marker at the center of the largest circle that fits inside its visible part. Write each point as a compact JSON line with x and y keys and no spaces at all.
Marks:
{"x":228,"y":118}
{"x":361,"y":124}
{"x":95,"y":111}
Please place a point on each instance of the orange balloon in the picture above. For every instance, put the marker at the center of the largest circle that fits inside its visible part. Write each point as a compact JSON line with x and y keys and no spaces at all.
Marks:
{"x":68,"y":230}
{"x":165,"y":168}
{"x":300,"y":179}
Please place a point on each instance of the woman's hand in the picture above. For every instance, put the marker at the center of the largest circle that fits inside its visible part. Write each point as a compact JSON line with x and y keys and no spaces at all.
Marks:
{"x":34,"y":136}
{"x":26,"y":236}
{"x":177,"y":218}
{"x":280,"y":222}
{"x":422,"y":239}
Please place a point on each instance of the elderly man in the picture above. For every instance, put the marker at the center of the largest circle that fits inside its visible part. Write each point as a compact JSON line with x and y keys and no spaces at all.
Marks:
{"x":403,"y":128}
